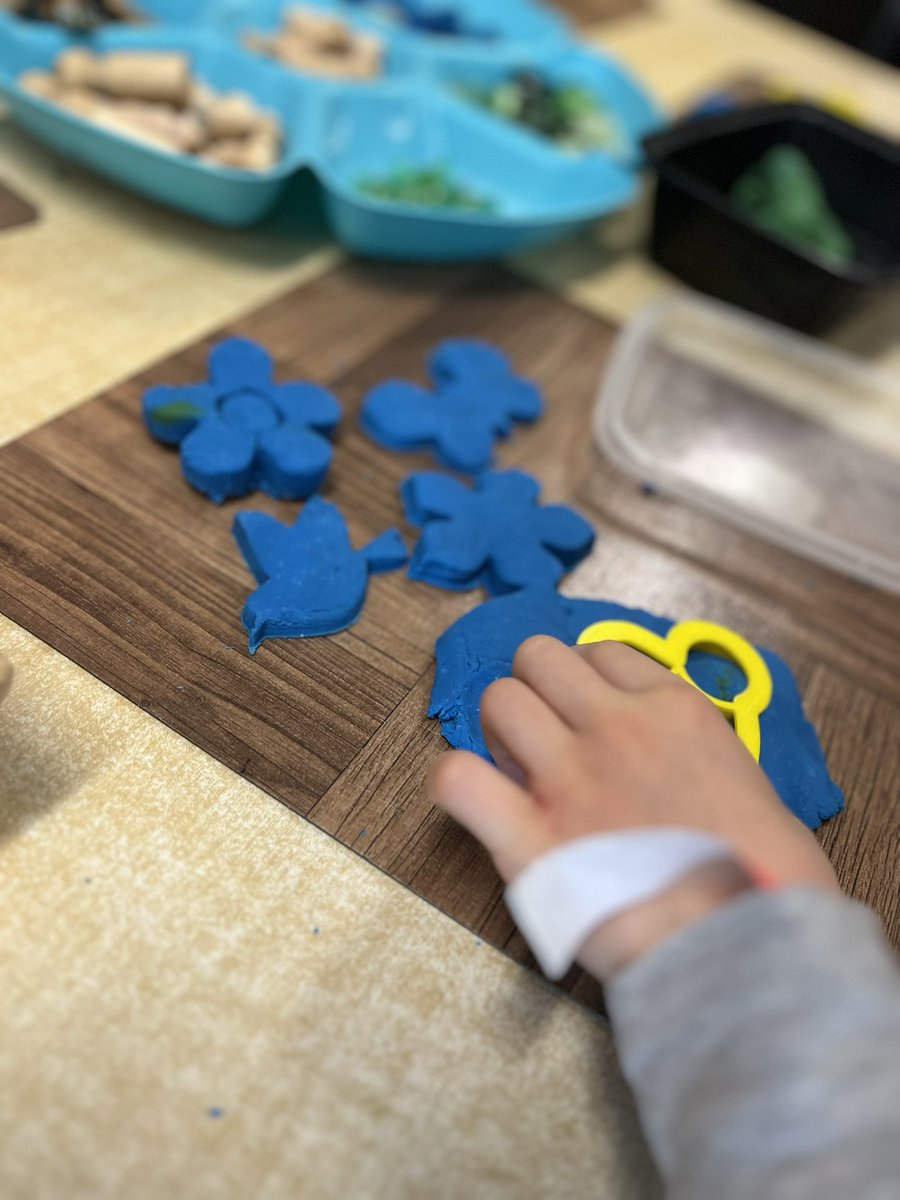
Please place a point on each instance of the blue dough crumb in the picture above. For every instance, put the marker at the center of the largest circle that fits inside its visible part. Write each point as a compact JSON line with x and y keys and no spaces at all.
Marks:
{"x":424,"y":18}
{"x":312,"y":580}
{"x":242,"y":432}
{"x":480,"y":647}
{"x":478,"y":399}
{"x":495,"y":535}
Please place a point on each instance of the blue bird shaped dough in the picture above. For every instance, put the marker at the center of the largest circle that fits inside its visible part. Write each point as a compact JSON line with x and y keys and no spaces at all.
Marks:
{"x":478,"y":399}
{"x":312,"y":581}
{"x":495,"y":535}
{"x":480,"y":647}
{"x":242,"y":432}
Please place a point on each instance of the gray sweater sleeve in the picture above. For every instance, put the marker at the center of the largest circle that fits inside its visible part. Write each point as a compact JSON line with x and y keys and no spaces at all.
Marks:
{"x":763,"y":1045}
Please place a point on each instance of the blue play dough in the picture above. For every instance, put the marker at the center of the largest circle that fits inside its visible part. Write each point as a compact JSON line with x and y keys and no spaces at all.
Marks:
{"x":251,"y":433}
{"x":481,"y":646}
{"x":478,"y":399}
{"x":423,"y":18}
{"x":312,"y":580}
{"x":494,"y":535}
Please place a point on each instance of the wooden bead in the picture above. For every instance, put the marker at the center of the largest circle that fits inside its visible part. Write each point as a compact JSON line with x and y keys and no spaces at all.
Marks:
{"x":76,"y":68}
{"x":109,"y":116}
{"x":132,"y":74}
{"x":201,"y":95}
{"x":228,"y":129}
{"x":318,"y":29}
{"x":321,"y":44}
{"x":80,"y":101}
{"x":229,"y":152}
{"x":234,"y":115}
{"x":263,"y":150}
{"x":370,"y":55}
{"x":303,"y":57}
{"x":145,"y":76}
{"x":269,"y":122}
{"x":180,"y":131}
{"x":39,"y":83}
{"x":259,"y":152}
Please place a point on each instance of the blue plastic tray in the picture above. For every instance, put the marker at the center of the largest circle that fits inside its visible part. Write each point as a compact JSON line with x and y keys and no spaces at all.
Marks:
{"x":217,"y":194}
{"x":540,"y":195}
{"x":344,"y":131}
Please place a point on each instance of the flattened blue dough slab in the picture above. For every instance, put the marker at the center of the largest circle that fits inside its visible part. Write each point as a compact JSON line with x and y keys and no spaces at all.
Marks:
{"x":242,"y":432}
{"x":481,"y":646}
{"x":312,"y":580}
{"x":478,"y":399}
{"x":494,"y":535}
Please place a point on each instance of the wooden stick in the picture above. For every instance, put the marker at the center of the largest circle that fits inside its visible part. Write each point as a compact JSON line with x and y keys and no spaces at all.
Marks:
{"x":129,"y":74}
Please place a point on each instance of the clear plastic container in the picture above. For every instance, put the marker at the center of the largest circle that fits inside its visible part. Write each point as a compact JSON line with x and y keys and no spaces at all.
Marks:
{"x":791,"y":440}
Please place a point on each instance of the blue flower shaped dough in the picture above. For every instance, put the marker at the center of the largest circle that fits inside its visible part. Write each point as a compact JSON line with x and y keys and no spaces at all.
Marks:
{"x":495,"y":535}
{"x":478,"y":399}
{"x":480,"y":648}
{"x":312,"y":581}
{"x":242,"y":432}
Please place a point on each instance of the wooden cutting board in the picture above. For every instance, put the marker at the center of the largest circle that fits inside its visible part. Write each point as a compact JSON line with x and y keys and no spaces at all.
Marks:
{"x":106,"y":554}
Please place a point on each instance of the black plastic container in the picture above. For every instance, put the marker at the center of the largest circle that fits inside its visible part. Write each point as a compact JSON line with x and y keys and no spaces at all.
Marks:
{"x":699,"y":236}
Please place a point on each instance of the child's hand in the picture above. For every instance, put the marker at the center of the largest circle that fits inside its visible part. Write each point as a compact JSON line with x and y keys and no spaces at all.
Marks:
{"x":600,"y":739}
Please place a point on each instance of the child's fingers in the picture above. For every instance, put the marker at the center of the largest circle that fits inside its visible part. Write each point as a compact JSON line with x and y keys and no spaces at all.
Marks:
{"x":503,"y":762}
{"x":519,"y":725}
{"x":500,"y":814}
{"x":562,"y":679}
{"x":623,"y":667}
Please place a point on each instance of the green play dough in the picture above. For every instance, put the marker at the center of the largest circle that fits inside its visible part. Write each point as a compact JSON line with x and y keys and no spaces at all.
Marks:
{"x":783,"y":194}
{"x":176,"y":412}
{"x":568,"y":115}
{"x":425,"y":187}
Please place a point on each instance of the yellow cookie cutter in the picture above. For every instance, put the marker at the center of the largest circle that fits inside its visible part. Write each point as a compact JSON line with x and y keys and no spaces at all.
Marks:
{"x":840,"y":102}
{"x":672,"y":651}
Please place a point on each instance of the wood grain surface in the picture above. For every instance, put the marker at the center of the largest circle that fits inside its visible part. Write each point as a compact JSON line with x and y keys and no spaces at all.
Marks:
{"x":106,"y":554}
{"x":14,"y":209}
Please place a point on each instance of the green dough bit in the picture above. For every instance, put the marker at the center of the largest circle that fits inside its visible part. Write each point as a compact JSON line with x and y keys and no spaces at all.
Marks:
{"x":425,"y":187}
{"x":570,"y":116}
{"x":175,"y":413}
{"x":783,"y":194}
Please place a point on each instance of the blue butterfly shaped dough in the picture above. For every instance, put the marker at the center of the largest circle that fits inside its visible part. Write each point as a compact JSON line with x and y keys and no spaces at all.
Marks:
{"x":495,"y":535}
{"x":242,"y":432}
{"x":478,"y":399}
{"x":312,"y":581}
